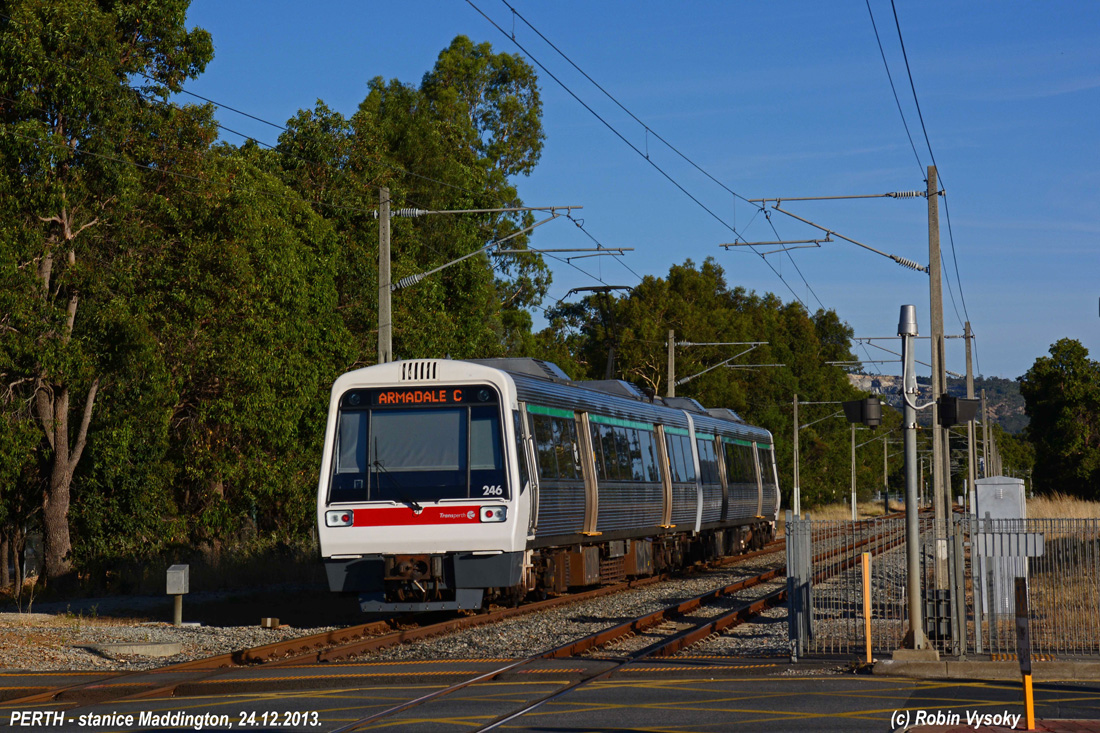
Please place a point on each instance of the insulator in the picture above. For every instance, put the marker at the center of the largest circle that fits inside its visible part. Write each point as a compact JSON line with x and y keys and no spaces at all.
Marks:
{"x":907,"y":194}
{"x":906,"y":262}
{"x":409,"y":213}
{"x":407,"y":281}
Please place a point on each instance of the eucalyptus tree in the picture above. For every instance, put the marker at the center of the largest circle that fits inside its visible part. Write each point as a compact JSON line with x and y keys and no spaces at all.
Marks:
{"x":456,"y":141}
{"x":78,"y":82}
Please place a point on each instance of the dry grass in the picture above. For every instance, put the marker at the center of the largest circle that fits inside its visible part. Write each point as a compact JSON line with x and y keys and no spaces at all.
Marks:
{"x":864,"y":510}
{"x":1060,"y":506}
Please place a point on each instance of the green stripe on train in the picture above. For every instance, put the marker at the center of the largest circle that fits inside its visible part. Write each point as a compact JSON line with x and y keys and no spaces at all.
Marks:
{"x":619,"y":422}
{"x":551,"y":411}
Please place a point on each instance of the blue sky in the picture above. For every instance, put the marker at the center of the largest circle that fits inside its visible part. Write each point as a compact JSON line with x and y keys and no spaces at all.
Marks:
{"x":780,"y":99}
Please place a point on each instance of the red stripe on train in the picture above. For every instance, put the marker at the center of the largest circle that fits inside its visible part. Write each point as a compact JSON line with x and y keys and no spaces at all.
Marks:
{"x":403,"y":515}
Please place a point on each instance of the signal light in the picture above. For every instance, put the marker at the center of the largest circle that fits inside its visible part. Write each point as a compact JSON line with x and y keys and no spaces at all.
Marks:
{"x":868,"y":411}
{"x":957,"y":410}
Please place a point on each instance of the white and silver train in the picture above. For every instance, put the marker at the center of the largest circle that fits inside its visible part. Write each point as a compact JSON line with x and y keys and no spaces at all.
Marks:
{"x":452,"y":484}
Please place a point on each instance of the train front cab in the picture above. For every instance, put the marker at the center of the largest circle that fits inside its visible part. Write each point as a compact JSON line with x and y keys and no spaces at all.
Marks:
{"x":419,"y":502}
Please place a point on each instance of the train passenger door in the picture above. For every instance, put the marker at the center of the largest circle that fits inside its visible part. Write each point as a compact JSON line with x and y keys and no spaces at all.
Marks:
{"x":698,"y":472}
{"x":666,"y":475}
{"x":723,"y":475}
{"x":525,"y":456}
{"x":759,"y":479}
{"x":588,"y":470}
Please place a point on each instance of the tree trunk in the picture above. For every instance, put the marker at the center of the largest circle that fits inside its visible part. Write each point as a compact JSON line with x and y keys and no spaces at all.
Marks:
{"x":54,"y":414}
{"x":5,"y":573}
{"x":55,"y":524}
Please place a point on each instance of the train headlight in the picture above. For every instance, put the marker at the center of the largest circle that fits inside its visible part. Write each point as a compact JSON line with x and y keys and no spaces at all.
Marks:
{"x":494,"y":513}
{"x":339,"y":518}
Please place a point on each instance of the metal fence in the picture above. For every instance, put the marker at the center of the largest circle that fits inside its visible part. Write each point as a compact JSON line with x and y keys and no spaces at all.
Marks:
{"x":967,"y":582}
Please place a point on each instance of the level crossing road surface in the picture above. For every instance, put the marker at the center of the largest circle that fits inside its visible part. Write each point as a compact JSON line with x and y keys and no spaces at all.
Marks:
{"x":679,"y":696}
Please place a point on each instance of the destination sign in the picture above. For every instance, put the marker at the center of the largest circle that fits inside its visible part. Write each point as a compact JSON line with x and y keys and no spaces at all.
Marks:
{"x":464,"y":394}
{"x":420,"y":396}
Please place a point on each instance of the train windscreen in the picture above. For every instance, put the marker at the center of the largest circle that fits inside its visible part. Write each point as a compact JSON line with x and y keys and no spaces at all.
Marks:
{"x":412,"y":446}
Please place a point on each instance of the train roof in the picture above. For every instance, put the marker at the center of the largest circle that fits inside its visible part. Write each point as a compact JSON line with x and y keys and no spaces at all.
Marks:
{"x":545,"y":383}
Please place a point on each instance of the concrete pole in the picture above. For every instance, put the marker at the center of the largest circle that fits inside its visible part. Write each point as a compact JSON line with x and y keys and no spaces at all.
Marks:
{"x":936,"y":309}
{"x":385,"y":318}
{"x":971,"y":448}
{"x":885,"y":475}
{"x":670,"y":391}
{"x":907,"y":329}
{"x":987,"y":469}
{"x":797,"y":478}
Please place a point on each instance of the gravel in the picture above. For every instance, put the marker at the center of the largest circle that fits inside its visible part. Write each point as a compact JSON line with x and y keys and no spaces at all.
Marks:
{"x":53,"y":642}
{"x":62,"y":640}
{"x":536,"y":632}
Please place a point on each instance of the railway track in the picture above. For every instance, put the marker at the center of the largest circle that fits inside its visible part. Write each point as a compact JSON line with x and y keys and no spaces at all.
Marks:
{"x":674,"y":637}
{"x":317,"y":649}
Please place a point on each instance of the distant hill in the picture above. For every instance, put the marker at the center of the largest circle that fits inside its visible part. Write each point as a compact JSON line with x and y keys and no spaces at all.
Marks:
{"x":1005,"y":403}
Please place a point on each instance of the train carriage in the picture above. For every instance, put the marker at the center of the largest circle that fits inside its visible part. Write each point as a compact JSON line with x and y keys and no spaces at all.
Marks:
{"x":451,"y":484}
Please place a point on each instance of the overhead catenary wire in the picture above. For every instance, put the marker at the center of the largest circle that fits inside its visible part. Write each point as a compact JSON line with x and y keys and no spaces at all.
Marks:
{"x":932,"y":155}
{"x":623,"y":138}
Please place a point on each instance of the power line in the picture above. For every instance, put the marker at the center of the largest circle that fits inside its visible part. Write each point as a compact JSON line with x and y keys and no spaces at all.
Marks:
{"x":610,"y":96}
{"x":631,"y":145}
{"x":928,"y":143}
{"x":893,"y":89}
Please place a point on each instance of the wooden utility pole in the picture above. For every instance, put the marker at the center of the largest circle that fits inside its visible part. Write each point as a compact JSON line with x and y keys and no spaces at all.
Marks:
{"x":797,"y":479}
{"x":670,"y":391}
{"x":385,"y":317}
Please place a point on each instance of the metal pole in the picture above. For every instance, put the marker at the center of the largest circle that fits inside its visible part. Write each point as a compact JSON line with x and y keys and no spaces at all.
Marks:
{"x":854,"y":472}
{"x":671,"y":390}
{"x":385,"y":319}
{"x":907,"y":329}
{"x":936,"y":310}
{"x":797,"y":477}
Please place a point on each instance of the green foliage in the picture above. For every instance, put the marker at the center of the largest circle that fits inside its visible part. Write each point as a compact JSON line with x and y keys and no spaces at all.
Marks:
{"x":218,"y":291}
{"x":1062,"y":394}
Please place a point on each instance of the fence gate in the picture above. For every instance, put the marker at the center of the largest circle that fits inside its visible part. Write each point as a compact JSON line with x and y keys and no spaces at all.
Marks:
{"x":967,"y":581}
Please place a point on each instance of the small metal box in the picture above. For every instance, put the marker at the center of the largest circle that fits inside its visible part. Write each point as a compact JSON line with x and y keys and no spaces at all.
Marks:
{"x":179,"y":580}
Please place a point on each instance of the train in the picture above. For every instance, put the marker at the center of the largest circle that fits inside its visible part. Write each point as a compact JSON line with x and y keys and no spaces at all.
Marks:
{"x":452,"y":485}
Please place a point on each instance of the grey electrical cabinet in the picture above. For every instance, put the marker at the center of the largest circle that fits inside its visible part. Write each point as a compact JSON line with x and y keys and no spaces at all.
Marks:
{"x":1000,"y":507}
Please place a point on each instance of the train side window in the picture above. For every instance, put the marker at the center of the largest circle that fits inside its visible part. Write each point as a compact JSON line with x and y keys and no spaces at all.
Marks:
{"x":681,"y":465}
{"x":556,"y":445}
{"x":637,"y":466}
{"x":544,"y":446}
{"x":622,"y":453}
{"x":650,"y":464}
{"x":708,"y":461}
{"x":603,"y":442}
{"x":739,"y":464}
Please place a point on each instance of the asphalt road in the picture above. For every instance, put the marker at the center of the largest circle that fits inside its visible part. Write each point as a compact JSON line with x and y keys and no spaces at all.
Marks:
{"x":678,"y":698}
